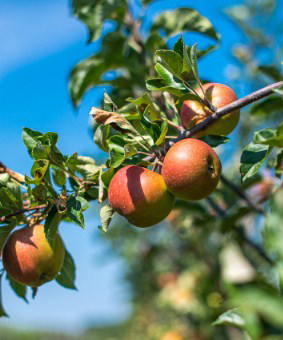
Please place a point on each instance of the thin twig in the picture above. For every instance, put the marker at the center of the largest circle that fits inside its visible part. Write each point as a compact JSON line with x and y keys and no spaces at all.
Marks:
{"x":19,"y":212}
{"x":241,"y":194}
{"x":180,"y":128}
{"x":237,"y":104}
{"x":15,"y":175}
{"x":221,"y":214}
{"x":251,"y":98}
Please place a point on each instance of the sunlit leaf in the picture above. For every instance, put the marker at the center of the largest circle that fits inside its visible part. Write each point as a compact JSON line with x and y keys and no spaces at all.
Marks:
{"x":19,"y":290}
{"x":106,"y":215}
{"x":75,"y":207}
{"x":184,"y":19}
{"x":67,"y":275}
{"x":230,"y":318}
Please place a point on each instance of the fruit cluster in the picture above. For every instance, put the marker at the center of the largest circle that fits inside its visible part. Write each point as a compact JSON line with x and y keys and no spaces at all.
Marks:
{"x":190,"y":171}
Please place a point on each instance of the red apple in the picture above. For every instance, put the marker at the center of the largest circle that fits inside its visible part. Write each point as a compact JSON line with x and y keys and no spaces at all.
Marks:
{"x":193,"y":112}
{"x":28,"y":257}
{"x":191,"y":169}
{"x":140,"y":195}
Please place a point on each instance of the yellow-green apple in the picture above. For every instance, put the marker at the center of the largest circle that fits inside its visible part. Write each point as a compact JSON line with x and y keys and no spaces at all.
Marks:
{"x":28,"y":257}
{"x":140,"y":195}
{"x":191,"y":169}
{"x":193,"y":112}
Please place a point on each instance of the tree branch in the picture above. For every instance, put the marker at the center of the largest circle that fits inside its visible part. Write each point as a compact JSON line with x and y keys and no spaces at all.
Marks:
{"x":15,"y":175}
{"x":241,"y":194}
{"x":237,"y":104}
{"x":19,"y":212}
{"x":221,"y":214}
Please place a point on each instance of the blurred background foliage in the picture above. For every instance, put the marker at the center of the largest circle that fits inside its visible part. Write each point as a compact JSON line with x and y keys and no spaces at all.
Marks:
{"x":207,"y":258}
{"x":213,"y":269}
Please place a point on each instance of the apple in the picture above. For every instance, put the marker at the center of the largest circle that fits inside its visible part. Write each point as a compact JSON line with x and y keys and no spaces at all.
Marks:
{"x":193,"y":112}
{"x":28,"y":257}
{"x":140,"y":195}
{"x":191,"y":169}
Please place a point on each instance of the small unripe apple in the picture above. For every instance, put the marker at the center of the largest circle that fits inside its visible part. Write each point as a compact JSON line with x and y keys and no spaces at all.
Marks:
{"x":191,"y":169}
{"x":28,"y":257}
{"x":193,"y":112}
{"x":140,"y":195}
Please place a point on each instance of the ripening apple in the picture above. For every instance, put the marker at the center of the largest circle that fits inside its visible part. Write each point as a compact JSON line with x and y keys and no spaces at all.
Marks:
{"x":191,"y":169}
{"x":140,"y":195}
{"x":193,"y":112}
{"x":28,"y":257}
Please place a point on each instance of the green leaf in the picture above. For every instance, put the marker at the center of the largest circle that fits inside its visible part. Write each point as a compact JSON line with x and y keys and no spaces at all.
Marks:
{"x":67,"y":275}
{"x":273,"y":138}
{"x":214,"y":141}
{"x":84,"y":165}
{"x":145,"y":103}
{"x":89,"y":72}
{"x":108,"y":104}
{"x":59,"y":176}
{"x":252,"y":159}
{"x":261,"y":302}
{"x":51,"y":224}
{"x":19,"y":290}
{"x":168,"y":78}
{"x":267,"y":107}
{"x":106,"y":215}
{"x":75,"y":207}
{"x":119,"y":150}
{"x":92,"y":193}
{"x":184,"y":19}
{"x":5,"y":231}
{"x":30,"y":138}
{"x":107,"y":176}
{"x":161,"y":138}
{"x":230,"y":318}
{"x":279,"y":90}
{"x":4,"y":178}
{"x":194,"y":62}
{"x":151,"y":128}
{"x":39,"y":169}
{"x":10,"y":199}
{"x":40,"y":151}
{"x":158,"y":84}
{"x":180,"y":48}
{"x":171,"y":61}
{"x":94,"y":13}
{"x":278,"y":165}
{"x":2,"y":311}
{"x":40,"y":192}
{"x":271,"y":72}
{"x":100,"y":136}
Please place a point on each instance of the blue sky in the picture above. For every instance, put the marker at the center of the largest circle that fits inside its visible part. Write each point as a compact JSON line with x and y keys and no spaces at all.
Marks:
{"x":40,"y":42}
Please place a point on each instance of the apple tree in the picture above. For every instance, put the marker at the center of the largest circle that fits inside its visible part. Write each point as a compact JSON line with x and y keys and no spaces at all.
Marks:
{"x":212,"y":267}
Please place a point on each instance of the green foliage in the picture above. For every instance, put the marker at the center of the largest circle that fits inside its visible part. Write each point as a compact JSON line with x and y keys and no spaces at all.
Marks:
{"x":67,"y":275}
{"x":258,"y":150}
{"x":184,"y":19}
{"x":75,"y":207}
{"x":106,"y":215}
{"x":230,"y":318}
{"x":93,"y":14}
{"x":20,"y":290}
{"x":203,"y":266}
